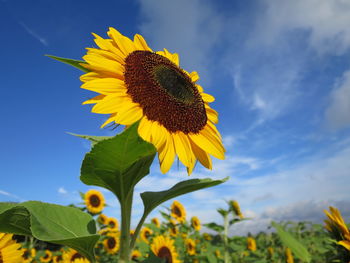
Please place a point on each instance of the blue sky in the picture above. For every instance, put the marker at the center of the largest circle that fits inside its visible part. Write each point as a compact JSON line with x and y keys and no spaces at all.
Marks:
{"x":280,"y":73}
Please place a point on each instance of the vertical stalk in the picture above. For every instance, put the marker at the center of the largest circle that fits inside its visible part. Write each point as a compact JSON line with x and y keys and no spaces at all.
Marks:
{"x":124,"y":250}
{"x":226,"y":254}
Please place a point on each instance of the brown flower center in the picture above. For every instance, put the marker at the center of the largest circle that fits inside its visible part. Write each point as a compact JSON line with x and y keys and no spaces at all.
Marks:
{"x":95,"y":200}
{"x":165,"y":252}
{"x":75,"y":256}
{"x":165,"y":93}
{"x":111,"y":242}
{"x":177,"y":211}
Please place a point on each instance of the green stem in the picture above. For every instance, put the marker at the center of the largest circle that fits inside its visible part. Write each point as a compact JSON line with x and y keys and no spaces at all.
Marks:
{"x":124,"y":250}
{"x":226,"y":223}
{"x":137,"y":230}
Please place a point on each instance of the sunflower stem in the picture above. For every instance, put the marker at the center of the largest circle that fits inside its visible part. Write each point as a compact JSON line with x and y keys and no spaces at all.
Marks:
{"x":124,"y":252}
{"x":137,"y":230}
{"x":226,"y":226}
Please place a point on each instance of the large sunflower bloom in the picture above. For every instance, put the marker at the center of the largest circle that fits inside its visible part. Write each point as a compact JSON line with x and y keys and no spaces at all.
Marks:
{"x":163,"y":247}
{"x":94,"y":201}
{"x":10,"y":251}
{"x":137,"y":84}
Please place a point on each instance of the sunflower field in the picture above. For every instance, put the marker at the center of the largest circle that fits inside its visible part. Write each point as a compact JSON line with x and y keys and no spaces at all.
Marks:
{"x":165,"y":113}
{"x":175,"y":238}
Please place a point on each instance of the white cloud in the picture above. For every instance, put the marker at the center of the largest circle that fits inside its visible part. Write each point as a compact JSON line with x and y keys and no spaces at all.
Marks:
{"x":326,"y":22}
{"x":338,"y":111}
{"x":34,"y":34}
{"x":189,"y":28}
{"x":61,"y":190}
{"x":9,"y":195}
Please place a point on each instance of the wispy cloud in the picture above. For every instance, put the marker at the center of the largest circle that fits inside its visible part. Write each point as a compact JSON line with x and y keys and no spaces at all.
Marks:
{"x":11,"y":196}
{"x":338,"y":111}
{"x":41,"y":39}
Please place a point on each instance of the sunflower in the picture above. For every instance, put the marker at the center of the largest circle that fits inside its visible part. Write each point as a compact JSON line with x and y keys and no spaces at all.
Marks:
{"x":336,"y":225}
{"x":270,"y":251}
{"x":28,"y":254}
{"x":47,"y":256}
{"x":137,"y":84}
{"x":71,"y":256}
{"x":58,"y":259}
{"x":111,"y":243}
{"x":195,"y":223}
{"x":112,"y":223}
{"x":190,"y":246}
{"x":10,"y":251}
{"x":146,"y":234}
{"x":207,"y":236}
{"x":251,"y":244}
{"x":102,"y":219}
{"x":156,"y":221}
{"x":136,"y":254}
{"x":94,"y":201}
{"x":234,"y":206}
{"x":178,"y":211}
{"x":217,"y":253}
{"x":173,"y":231}
{"x":163,"y":247}
{"x":289,"y":255}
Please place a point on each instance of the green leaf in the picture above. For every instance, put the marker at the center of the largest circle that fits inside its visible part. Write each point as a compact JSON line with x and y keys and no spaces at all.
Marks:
{"x":214,"y":226}
{"x":154,"y":259}
{"x":119,"y":163}
{"x":73,"y":62}
{"x":289,"y":241}
{"x":152,"y":199}
{"x":52,"y":223}
{"x":91,"y":138}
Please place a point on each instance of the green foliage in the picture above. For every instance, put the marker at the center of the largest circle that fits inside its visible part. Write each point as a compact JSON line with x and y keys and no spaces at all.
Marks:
{"x":119,"y":163}
{"x":289,"y":241}
{"x":52,"y":223}
{"x":73,"y":62}
{"x":153,"y":199}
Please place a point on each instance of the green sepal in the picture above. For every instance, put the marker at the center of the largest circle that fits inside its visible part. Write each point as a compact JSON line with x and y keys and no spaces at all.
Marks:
{"x":51,"y":223}
{"x":73,"y":62}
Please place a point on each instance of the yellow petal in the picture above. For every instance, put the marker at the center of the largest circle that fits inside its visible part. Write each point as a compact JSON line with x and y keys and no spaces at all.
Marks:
{"x":89,"y":76}
{"x":107,"y":45}
{"x":194,"y":76}
{"x":183,"y":148}
{"x":105,"y":53}
{"x":207,"y":98}
{"x":208,"y":143}
{"x":106,"y":86}
{"x":124,"y":43}
{"x":97,"y":63}
{"x":167,"y":154}
{"x":345,"y":243}
{"x":94,"y":99}
{"x":145,"y":129}
{"x":202,"y":156}
{"x":158,"y":135}
{"x":111,"y":104}
{"x":175,"y":59}
{"x":109,"y":120}
{"x":129,"y":116}
{"x":212,"y":115}
{"x":141,"y":43}
{"x":200,"y":88}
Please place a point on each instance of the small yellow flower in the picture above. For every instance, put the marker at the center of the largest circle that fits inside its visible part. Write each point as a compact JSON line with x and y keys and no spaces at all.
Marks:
{"x":251,"y":244}
{"x":47,"y":256}
{"x":10,"y":251}
{"x":111,"y":243}
{"x":146,"y":234}
{"x":73,"y":256}
{"x":289,"y":256}
{"x":156,"y":221}
{"x":196,"y":224}
{"x":270,"y":251}
{"x":57,"y":259}
{"x":28,"y":254}
{"x":207,"y":236}
{"x":217,"y":253}
{"x":94,"y":201}
{"x":178,"y":211}
{"x":190,"y":246}
{"x":112,"y":223}
{"x":236,"y":208}
{"x":136,"y":254}
{"x":163,"y":247}
{"x":102,"y":219}
{"x":173,"y":231}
